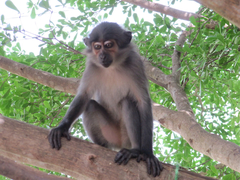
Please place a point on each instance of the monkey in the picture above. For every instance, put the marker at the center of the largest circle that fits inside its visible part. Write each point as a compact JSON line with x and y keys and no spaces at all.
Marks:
{"x":113,"y":98}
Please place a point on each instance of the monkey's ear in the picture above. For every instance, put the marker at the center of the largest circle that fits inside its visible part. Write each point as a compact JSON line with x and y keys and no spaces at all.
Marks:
{"x":125,"y":39}
{"x":128,"y":36}
{"x":86,"y":41}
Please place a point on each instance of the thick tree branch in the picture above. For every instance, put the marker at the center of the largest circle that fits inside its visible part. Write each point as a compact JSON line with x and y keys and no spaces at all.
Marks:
{"x":229,"y":9}
{"x":14,"y":170}
{"x":155,"y":74}
{"x":163,"y":9}
{"x":68,"y":85}
{"x":80,"y":159}
{"x":169,"y":82}
{"x":209,"y":144}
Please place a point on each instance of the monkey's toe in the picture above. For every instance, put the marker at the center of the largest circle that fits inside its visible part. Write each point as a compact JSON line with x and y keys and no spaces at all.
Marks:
{"x":124,"y":155}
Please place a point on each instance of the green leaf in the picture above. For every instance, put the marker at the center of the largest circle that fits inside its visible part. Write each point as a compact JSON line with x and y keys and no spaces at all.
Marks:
{"x":60,"y":1}
{"x":126,"y":24}
{"x":2,"y":18}
{"x":46,"y":103}
{"x":135,"y":17}
{"x":105,"y":15}
{"x":159,"y":39}
{"x":111,"y":2}
{"x":193,"y":20}
{"x":62,"y":14}
{"x":44,"y":4}
{"x":130,"y":13}
{"x":30,"y":4}
{"x":33,"y":13}
{"x":111,"y":11}
{"x":9,"y":27}
{"x":11,"y":5}
{"x":229,"y":177}
{"x":158,"y":20}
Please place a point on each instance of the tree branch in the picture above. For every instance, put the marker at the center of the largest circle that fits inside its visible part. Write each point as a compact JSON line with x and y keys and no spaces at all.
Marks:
{"x":209,"y":144}
{"x":229,"y":9}
{"x":14,"y":170}
{"x":163,"y":9}
{"x":80,"y":159}
{"x":176,"y":62}
{"x":68,"y":85}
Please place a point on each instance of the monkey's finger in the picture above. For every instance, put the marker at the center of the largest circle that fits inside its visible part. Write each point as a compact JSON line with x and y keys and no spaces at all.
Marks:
{"x":50,"y":140}
{"x":128,"y":158}
{"x":118,"y":156}
{"x":67,"y":135}
{"x":161,"y":166}
{"x":154,"y":167}
{"x":59,"y":140}
{"x":55,"y":140}
{"x":124,"y":156}
{"x":139,"y":158}
{"x":158,"y":167}
{"x":148,"y":166}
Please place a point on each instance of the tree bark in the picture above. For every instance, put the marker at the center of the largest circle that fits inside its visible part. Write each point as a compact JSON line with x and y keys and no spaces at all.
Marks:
{"x":80,"y":159}
{"x":163,"y":9}
{"x":17,"y":171}
{"x":209,"y":144}
{"x":68,"y":85}
{"x":229,"y":9}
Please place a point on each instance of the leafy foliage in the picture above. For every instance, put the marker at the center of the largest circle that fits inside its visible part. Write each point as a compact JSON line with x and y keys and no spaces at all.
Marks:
{"x":209,"y":74}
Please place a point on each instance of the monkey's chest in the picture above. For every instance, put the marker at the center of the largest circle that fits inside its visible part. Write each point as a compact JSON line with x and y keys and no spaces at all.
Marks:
{"x":111,"y":90}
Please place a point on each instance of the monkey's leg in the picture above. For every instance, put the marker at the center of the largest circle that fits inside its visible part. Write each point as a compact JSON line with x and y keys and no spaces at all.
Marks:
{"x":100,"y":127}
{"x":131,"y":119}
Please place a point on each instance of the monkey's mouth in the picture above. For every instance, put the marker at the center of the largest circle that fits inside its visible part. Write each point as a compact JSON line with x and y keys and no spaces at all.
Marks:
{"x":106,"y":63}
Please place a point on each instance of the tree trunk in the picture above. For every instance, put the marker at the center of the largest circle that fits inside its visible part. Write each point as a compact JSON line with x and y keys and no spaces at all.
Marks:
{"x":80,"y":159}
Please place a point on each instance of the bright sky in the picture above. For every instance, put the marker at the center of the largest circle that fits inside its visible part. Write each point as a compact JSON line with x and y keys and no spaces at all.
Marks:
{"x":32,"y":25}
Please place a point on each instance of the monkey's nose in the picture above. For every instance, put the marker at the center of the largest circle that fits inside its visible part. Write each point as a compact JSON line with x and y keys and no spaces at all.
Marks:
{"x":102,"y":56}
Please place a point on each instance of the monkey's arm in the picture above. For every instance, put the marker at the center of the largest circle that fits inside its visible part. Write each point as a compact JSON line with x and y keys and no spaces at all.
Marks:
{"x":62,"y":130}
{"x":154,"y":167}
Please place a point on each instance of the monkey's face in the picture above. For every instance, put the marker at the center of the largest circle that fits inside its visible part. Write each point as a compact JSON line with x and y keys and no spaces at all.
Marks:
{"x":105,"y":51}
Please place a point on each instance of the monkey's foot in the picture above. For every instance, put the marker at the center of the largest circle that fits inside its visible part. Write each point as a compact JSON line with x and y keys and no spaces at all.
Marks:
{"x":124,"y":155}
{"x":154,"y":166}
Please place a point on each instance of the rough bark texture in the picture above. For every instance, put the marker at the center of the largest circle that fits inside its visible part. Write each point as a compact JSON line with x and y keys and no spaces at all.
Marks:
{"x":80,"y":159}
{"x":163,"y":9}
{"x":209,"y":144}
{"x":229,"y":9}
{"x":17,"y":171}
{"x":56,"y":82}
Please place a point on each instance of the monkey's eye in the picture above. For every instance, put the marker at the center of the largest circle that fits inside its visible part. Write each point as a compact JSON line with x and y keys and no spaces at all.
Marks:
{"x":97,"y":46}
{"x":108,"y":44}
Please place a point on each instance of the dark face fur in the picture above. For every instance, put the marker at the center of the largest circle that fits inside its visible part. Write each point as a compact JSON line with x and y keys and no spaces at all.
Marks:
{"x":105,"y":41}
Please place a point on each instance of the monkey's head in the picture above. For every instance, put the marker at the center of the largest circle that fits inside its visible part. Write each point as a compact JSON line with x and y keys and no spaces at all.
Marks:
{"x":106,"y":40}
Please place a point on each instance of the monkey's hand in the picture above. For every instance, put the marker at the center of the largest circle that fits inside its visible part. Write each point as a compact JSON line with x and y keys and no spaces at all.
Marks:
{"x":55,"y":135}
{"x":124,"y":155}
{"x":154,"y":166}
